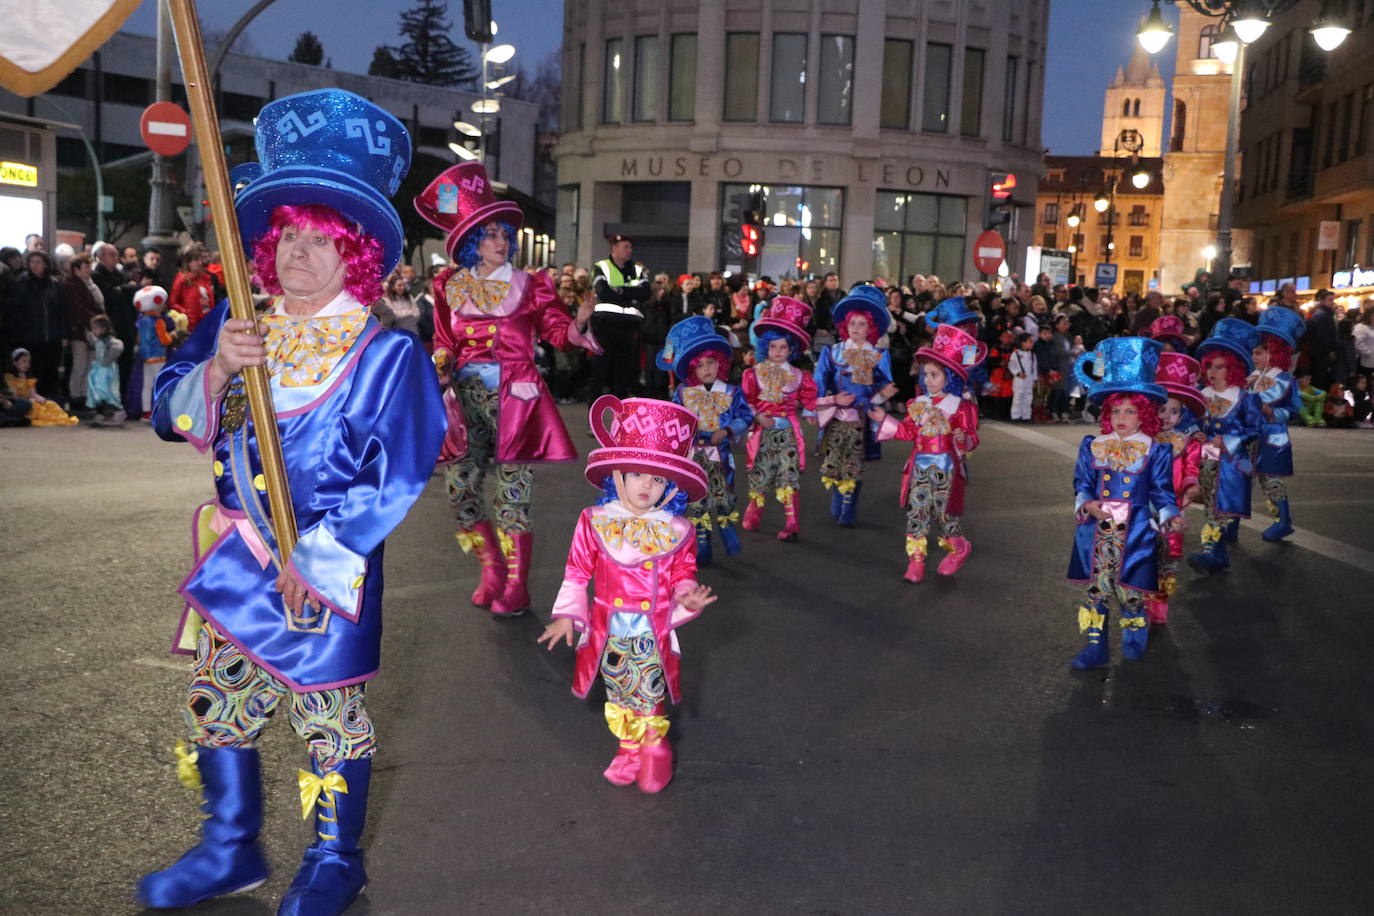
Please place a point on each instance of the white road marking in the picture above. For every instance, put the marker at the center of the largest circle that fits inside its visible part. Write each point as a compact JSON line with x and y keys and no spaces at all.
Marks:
{"x":1330,"y":548}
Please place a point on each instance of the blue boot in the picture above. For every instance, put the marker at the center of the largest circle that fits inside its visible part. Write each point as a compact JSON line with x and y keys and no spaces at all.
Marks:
{"x":728,"y":536}
{"x":702,"y":523}
{"x":1135,"y":634}
{"x":1232,"y":535}
{"x":849,"y":503}
{"x":1092,"y":621}
{"x":331,"y":875}
{"x":1212,"y":558}
{"x":1282,"y":527}
{"x":836,"y":501}
{"x":227,"y":859}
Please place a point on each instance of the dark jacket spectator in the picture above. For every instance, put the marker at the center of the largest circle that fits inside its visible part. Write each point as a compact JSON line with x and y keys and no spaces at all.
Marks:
{"x":1322,"y":340}
{"x":39,"y":322}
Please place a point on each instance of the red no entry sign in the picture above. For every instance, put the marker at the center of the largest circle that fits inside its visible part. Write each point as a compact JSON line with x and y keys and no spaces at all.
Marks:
{"x":989,"y":251}
{"x":165,"y":128}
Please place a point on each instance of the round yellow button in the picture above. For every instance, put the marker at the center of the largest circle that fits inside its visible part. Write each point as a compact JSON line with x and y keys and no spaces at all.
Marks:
{"x":1127,"y":494}
{"x":491,"y":329}
{"x":260,"y":482}
{"x":471,"y":330}
{"x":619,"y":603}
{"x":184,"y":423}
{"x":219,"y":468}
{"x":643,"y":605}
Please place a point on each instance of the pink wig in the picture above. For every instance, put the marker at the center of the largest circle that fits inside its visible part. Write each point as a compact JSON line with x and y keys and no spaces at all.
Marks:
{"x":721,"y":356}
{"x":1280,"y":352}
{"x":842,"y":329}
{"x":1149,"y":412}
{"x":361,"y":252}
{"x":1235,"y":367}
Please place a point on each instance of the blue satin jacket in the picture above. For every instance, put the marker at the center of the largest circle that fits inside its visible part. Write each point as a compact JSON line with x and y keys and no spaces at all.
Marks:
{"x":1278,"y":390}
{"x":735,"y":419}
{"x":1142,"y":488}
{"x":1238,"y":428}
{"x":359,"y":446}
{"x":834,"y":375}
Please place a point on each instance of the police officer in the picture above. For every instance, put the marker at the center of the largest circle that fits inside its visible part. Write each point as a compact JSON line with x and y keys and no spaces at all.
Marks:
{"x":621,"y":286}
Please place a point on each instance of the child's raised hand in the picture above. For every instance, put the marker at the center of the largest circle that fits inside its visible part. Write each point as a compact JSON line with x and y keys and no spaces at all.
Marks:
{"x":560,"y":629}
{"x":697,"y":598}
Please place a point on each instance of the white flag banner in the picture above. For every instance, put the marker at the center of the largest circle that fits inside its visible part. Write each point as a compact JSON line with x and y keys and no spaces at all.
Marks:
{"x":41,"y":41}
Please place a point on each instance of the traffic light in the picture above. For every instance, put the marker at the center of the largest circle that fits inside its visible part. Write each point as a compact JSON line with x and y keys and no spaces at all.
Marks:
{"x":1001,"y":204}
{"x":477,"y":21}
{"x":752,"y":239}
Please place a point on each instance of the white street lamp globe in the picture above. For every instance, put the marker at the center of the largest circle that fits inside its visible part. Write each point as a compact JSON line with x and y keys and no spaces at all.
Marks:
{"x":1073,"y":220}
{"x":1329,"y":36}
{"x":1227,"y":45}
{"x":1155,"y":33}
{"x":500,"y":54}
{"x":1140,"y":180}
{"x":1100,"y":204}
{"x":1209,"y":252}
{"x":486,"y":106}
{"x":500,"y":81}
{"x":1072,"y":249}
{"x":1250,"y":27}
{"x":461,"y":151}
{"x":466,"y":129}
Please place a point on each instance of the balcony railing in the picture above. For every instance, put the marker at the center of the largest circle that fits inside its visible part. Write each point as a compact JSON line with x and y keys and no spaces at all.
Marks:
{"x":1139,"y":219}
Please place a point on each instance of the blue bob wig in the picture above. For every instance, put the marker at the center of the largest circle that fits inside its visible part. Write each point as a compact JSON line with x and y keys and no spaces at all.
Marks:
{"x":467,"y":255}
{"x":675,"y":506}
{"x":954,"y":382}
{"x":768,"y":336}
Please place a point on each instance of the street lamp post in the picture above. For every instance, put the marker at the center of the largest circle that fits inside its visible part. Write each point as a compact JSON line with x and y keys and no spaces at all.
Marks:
{"x":1130,"y":141}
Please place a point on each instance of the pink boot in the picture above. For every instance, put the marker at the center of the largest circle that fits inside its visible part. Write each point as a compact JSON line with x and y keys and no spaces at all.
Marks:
{"x":1157,"y":608}
{"x":791,"y":508}
{"x":655,"y":757}
{"x":752,"y":512}
{"x":481,"y":539}
{"x":515,"y":600}
{"x":959,"y":548}
{"x":624,"y":724}
{"x":916,"y":566}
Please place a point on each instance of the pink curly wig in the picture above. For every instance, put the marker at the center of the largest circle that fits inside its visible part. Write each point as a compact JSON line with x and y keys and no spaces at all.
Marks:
{"x":1235,"y":367}
{"x":722,"y":358}
{"x":1280,"y":352}
{"x":1149,"y":412}
{"x":842,"y":329}
{"x":361,"y":252}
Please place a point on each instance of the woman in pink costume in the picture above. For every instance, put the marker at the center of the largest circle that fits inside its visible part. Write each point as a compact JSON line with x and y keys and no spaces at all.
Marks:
{"x":487,"y":320}
{"x":641,"y":554}
{"x":942,"y":426}
{"x":1178,"y":415}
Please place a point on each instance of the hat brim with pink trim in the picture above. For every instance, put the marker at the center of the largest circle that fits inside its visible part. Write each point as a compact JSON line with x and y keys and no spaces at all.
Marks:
{"x":1188,"y":397}
{"x":943,"y":360}
{"x":683,"y":473}
{"x":796,"y":332}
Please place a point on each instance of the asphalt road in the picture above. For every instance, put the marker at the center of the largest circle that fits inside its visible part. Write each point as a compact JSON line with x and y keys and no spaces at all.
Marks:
{"x":849,"y":743}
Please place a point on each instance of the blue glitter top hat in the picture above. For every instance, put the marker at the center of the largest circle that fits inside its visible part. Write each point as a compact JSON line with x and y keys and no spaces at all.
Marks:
{"x":687,"y":340}
{"x":1122,"y":364}
{"x":1232,"y":334}
{"x":872,"y":302}
{"x":953,"y":310}
{"x":327,"y":147}
{"x":1283,"y":323}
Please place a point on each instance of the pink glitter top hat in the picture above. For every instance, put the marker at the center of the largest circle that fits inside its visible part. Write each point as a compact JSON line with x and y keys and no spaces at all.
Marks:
{"x":461,"y":198}
{"x":646,"y":436}
{"x":789,"y":316}
{"x":1169,"y":327}
{"x":1178,"y":373}
{"x":954,"y":349}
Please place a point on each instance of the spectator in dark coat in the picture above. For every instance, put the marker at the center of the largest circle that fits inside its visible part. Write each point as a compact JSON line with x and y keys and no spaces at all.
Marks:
{"x":1322,"y":339}
{"x":39,"y":323}
{"x":118,"y":293}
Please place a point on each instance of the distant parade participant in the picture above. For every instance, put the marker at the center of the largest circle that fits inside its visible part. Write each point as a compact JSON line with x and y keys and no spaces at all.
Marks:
{"x":621,"y":287}
{"x":488,"y":319}
{"x":1123,"y":486}
{"x":637,"y":551}
{"x":852,"y":376}
{"x":942,"y":427}
{"x":361,"y":424}
{"x":1228,"y":430}
{"x":779,"y":394}
{"x":698,"y":356}
{"x":1178,"y":417}
{"x":1273,"y":384}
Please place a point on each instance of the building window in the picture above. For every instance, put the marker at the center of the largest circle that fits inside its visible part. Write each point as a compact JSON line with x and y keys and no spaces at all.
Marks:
{"x":1139,"y":215}
{"x":1051,"y":214}
{"x":810,"y":217}
{"x":682,"y":79}
{"x":1049,"y":240}
{"x":1078,"y":241}
{"x":572,"y":103}
{"x":919,"y":234}
{"x":1054,"y":176}
{"x":1204,"y":42}
{"x":1009,"y":99}
{"x":971,"y":118}
{"x":1347,"y":103}
{"x":896,"y":113}
{"x":569,"y":199}
{"x":837,"y":79}
{"x":935,"y":88}
{"x":787,"y":85}
{"x":1362,"y":124}
{"x":645,"y":107}
{"x":1352,"y":243}
{"x":613,"y":82}
{"x":1137,"y":248}
{"x":1126,"y":108}
{"x":742,"y":76}
{"x":128,"y":90}
{"x":1102,"y":246}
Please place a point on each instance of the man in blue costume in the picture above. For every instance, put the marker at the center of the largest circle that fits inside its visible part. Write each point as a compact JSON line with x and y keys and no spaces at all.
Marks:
{"x":361,"y":424}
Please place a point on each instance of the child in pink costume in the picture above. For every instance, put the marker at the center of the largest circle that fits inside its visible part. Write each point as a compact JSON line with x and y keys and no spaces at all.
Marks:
{"x":641,"y":553}
{"x":942,"y":426}
{"x":1178,"y":374}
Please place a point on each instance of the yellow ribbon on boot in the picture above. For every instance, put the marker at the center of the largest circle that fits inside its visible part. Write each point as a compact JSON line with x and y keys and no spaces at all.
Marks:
{"x":731,"y":519}
{"x":702,"y":521}
{"x":312,"y":786}
{"x":628,"y":725}
{"x":756,"y":498}
{"x":470,"y":539}
{"x":915,"y":546}
{"x":1211,"y":534}
{"x":304,"y":351}
{"x":188,"y":774}
{"x":782,"y":493}
{"x":1089,"y":619}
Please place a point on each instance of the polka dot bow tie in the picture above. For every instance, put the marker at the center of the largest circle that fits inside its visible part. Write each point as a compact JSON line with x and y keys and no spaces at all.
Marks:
{"x":304,"y":351}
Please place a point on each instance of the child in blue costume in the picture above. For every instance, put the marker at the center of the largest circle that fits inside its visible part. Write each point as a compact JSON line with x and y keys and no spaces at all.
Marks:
{"x":361,"y":424}
{"x":852,"y":377}
{"x":1228,"y":432}
{"x":1123,"y":484}
{"x":1273,"y":384}
{"x":697,"y":356}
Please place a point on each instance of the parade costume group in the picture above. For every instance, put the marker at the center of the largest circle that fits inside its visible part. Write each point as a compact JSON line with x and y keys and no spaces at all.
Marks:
{"x":364,"y":416}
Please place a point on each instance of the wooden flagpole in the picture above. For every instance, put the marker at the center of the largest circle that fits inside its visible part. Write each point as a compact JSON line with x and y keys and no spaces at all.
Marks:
{"x":205,"y":122}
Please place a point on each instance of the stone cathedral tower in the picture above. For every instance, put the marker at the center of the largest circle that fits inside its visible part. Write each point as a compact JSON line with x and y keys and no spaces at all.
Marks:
{"x":1135,"y":100}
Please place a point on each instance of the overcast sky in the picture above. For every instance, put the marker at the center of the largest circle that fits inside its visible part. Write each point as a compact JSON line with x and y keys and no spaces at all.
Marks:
{"x":1085,"y":46}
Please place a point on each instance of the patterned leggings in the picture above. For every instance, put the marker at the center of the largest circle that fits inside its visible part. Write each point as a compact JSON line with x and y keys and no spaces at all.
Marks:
{"x":777,"y":463}
{"x":842,"y":447}
{"x":1109,"y":549}
{"x":927,"y":502}
{"x":720,"y":496}
{"x":230,"y":700}
{"x":633,"y":673}
{"x":1275,"y":491}
{"x":514,"y":482}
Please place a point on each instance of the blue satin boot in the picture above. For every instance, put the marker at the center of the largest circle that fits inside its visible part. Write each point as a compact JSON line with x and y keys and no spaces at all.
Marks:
{"x":1092,"y":621}
{"x":1283,"y":525}
{"x":227,"y":859}
{"x":1213,"y":557}
{"x":836,"y":501}
{"x":1232,"y":535}
{"x":331,"y":875}
{"x":702,"y":524}
{"x":1135,"y":635}
{"x":728,"y":535}
{"x":849,"y":503}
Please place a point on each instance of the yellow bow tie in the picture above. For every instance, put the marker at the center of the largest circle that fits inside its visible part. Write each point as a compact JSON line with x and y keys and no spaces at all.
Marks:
{"x":646,"y":535}
{"x":485,"y":295}
{"x":312,"y":786}
{"x":304,"y":351}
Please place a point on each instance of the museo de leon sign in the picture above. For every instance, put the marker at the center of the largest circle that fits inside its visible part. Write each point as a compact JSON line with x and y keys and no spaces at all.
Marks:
{"x":836,"y":170}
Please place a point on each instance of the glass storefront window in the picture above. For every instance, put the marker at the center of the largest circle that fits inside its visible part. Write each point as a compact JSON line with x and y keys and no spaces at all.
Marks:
{"x":613,"y":82}
{"x":741,"y":76}
{"x":817,"y":212}
{"x":896,"y":100}
{"x":646,"y":78}
{"x":971,"y":119}
{"x":787,"y":88}
{"x":918,"y":234}
{"x":569,"y":201}
{"x":837,"y":79}
{"x":682,"y":79}
{"x":935,"y":95}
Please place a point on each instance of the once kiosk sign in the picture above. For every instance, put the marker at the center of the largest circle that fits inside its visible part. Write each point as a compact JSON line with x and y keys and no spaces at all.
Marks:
{"x":18,"y":173}
{"x":886,"y":173}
